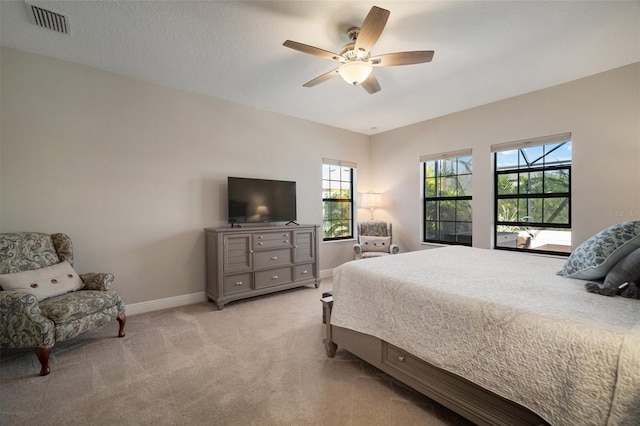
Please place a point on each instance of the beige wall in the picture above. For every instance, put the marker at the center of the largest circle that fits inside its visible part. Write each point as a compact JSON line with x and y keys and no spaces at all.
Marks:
{"x":133,"y":171}
{"x":600,"y":111}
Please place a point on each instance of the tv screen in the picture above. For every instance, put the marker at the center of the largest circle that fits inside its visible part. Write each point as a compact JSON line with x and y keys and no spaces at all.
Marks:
{"x":261,"y":200}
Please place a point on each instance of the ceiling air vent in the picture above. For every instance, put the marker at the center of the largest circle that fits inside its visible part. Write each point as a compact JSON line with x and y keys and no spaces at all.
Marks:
{"x":48,"y":19}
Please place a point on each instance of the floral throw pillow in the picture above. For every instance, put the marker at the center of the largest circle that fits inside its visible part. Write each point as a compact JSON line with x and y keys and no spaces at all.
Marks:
{"x":594,"y":258}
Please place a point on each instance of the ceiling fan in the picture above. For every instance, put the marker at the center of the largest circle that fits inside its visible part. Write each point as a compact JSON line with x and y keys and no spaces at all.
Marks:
{"x":355,"y":57}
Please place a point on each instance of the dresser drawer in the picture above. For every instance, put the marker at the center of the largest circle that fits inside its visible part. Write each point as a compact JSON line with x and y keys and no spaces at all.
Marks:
{"x":237,"y":283}
{"x":273,"y":277}
{"x":303,"y":272}
{"x":406,"y":363}
{"x":264,"y":240}
{"x":270,"y":258}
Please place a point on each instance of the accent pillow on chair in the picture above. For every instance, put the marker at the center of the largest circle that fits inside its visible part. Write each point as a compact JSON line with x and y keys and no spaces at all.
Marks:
{"x":45,"y":282}
{"x":379,"y":244}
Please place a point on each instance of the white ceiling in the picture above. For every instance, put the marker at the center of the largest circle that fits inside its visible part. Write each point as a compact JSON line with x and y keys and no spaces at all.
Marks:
{"x":232,"y":50}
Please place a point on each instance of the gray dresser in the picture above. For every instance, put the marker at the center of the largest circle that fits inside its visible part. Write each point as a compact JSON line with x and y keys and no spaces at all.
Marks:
{"x":250,"y":261}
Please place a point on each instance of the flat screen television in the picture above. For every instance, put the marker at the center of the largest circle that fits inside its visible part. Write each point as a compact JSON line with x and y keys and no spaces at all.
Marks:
{"x":261,"y":200}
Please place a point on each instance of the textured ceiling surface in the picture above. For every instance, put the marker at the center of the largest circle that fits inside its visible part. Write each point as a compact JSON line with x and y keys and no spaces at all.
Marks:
{"x":232,"y":50}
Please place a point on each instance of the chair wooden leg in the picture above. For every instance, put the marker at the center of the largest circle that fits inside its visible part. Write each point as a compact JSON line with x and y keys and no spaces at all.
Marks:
{"x":122,"y":319}
{"x":43,"y":353}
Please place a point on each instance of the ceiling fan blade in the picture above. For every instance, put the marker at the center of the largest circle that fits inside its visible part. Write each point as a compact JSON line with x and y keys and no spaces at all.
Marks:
{"x":321,"y":79}
{"x":402,"y":58}
{"x":305,"y":48}
{"x":371,"y":28}
{"x":371,"y":84}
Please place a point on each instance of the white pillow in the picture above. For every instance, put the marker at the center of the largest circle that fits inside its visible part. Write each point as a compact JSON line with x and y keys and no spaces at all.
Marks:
{"x":375,"y":243}
{"x":44,"y":283}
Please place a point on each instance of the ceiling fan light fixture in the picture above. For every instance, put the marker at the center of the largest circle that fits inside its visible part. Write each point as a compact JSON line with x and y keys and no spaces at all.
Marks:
{"x":355,"y":57}
{"x":355,"y":72}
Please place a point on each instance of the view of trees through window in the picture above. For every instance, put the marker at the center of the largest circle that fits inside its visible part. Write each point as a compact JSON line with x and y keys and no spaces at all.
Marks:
{"x":447,"y":200}
{"x":533,"y":198}
{"x":337,"y":202}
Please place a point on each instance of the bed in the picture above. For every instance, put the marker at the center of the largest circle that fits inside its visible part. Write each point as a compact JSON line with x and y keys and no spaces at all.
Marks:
{"x":496,"y":336}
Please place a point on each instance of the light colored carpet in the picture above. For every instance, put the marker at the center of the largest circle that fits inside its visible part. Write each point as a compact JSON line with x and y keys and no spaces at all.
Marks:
{"x":260,"y":361}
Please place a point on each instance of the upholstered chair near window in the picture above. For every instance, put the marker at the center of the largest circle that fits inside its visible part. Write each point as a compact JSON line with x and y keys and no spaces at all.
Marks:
{"x":43,"y":300}
{"x":374,"y":240}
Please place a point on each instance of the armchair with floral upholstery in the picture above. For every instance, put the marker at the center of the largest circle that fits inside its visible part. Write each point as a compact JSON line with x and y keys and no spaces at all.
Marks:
{"x":43,"y":301}
{"x":374,"y":240}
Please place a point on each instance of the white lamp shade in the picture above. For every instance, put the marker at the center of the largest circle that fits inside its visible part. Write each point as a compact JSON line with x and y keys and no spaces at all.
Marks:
{"x":355,"y":72}
{"x":371,"y":200}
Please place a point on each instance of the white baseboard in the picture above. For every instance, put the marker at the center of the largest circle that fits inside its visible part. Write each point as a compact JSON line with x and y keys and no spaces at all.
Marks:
{"x":326,"y":273}
{"x":169,"y":302}
{"x":186,"y":299}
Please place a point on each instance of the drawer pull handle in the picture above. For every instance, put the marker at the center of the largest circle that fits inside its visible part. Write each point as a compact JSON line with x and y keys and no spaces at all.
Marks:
{"x":239,"y":283}
{"x":305,"y":271}
{"x":285,"y":235}
{"x":401,"y":358}
{"x":285,"y":241}
{"x":260,"y":243}
{"x":274,"y":258}
{"x":260,"y":237}
{"x":275,"y":277}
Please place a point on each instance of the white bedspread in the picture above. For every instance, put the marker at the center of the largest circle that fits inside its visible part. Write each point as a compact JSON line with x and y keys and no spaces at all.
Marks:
{"x":505,"y":321}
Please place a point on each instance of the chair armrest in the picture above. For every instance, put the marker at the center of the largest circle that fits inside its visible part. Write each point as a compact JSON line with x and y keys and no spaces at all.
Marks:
{"x":394,"y":249}
{"x":21,"y":321}
{"x":357,"y":248}
{"x":96,"y":281}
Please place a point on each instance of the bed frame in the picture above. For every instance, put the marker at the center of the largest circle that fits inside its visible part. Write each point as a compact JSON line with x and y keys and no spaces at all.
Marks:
{"x":456,"y":393}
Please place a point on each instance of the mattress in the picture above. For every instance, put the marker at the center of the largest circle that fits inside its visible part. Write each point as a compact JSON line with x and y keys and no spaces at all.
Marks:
{"x":505,"y":321}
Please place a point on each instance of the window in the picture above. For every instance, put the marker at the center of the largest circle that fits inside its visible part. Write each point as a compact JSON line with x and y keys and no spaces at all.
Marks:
{"x":447,"y":197}
{"x":533,"y":195}
{"x":337,"y":199}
